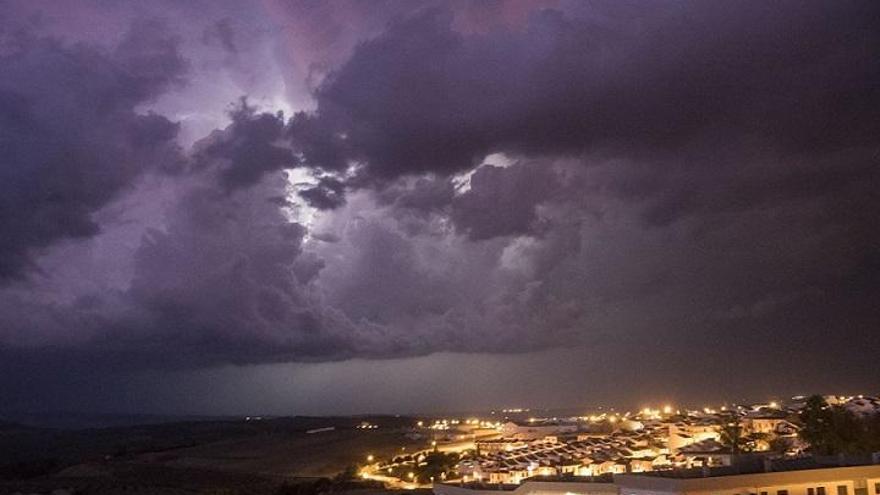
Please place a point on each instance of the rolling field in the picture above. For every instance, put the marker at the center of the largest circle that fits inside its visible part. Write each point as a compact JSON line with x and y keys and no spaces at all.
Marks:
{"x":295,"y":454}
{"x":221,"y":457}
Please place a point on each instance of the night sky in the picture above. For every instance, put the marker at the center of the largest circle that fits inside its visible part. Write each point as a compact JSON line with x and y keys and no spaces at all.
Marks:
{"x":327,"y":207}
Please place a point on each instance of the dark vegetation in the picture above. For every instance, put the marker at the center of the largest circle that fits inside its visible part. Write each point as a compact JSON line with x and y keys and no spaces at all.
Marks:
{"x":435,"y":466}
{"x":834,"y":430}
{"x":734,"y":437}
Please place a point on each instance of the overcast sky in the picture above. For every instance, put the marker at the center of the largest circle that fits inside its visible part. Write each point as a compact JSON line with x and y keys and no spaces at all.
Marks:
{"x":324,"y":207}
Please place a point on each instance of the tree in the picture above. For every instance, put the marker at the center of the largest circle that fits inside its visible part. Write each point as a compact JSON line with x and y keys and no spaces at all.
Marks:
{"x":831,"y":430}
{"x":733,"y":436}
{"x":780,"y":444}
{"x":434,"y":465}
{"x":816,"y":430}
{"x":758,"y":441}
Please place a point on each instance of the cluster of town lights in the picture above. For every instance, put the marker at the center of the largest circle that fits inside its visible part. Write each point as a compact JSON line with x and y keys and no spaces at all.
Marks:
{"x":446,"y":424}
{"x":504,"y":460}
{"x":646,"y":413}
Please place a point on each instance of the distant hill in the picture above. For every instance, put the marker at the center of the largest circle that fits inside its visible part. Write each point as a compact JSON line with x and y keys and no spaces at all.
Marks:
{"x":253,"y":454}
{"x":63,"y":420}
{"x":84,"y":420}
{"x":10,"y":426}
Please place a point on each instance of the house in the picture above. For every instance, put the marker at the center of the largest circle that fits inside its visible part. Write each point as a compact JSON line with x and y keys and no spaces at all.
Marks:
{"x":766,"y":422}
{"x":805,"y":480}
{"x":709,"y":452}
{"x":682,"y":434}
{"x":499,"y":445}
{"x":532,"y":430}
{"x":857,"y":480}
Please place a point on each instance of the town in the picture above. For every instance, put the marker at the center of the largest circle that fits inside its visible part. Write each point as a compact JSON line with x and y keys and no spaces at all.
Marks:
{"x":515,"y":448}
{"x":816,"y":445}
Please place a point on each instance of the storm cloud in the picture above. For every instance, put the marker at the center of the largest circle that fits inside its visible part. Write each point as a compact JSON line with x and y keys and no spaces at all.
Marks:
{"x":662,"y":183}
{"x":70,"y":136}
{"x":632,"y":80}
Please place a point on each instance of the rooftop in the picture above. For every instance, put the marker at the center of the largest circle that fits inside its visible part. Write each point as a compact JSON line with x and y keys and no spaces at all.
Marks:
{"x":739,"y":476}
{"x":757,"y":463}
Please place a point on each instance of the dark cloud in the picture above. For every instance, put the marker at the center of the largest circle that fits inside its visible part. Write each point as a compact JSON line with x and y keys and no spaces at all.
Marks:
{"x":219,"y":280}
{"x":320,"y":36}
{"x":504,"y":201}
{"x":71,"y":136}
{"x":226,"y":279}
{"x":246,"y":150}
{"x":327,"y":194}
{"x":415,"y":202}
{"x":423,"y":194}
{"x":424,"y":98}
{"x":659,"y":184}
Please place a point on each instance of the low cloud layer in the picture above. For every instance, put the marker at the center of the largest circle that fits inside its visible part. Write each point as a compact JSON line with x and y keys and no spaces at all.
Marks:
{"x":698,"y":178}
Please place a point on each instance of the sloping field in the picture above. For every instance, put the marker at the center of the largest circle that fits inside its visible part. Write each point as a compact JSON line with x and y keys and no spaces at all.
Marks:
{"x":289,"y":454}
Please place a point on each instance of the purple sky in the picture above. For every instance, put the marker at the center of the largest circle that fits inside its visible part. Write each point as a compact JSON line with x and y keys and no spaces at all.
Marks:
{"x":348,"y":206}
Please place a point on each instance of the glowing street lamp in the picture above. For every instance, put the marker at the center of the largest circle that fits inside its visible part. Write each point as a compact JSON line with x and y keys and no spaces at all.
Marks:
{"x":370,"y":458}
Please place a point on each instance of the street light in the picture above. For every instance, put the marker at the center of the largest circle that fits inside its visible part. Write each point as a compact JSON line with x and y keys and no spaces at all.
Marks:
{"x":370,"y":458}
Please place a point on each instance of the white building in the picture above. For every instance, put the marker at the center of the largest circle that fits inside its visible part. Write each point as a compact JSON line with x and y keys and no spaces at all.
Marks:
{"x":535,"y":488}
{"x":532,"y":430}
{"x":856,"y":480}
{"x":682,"y":434}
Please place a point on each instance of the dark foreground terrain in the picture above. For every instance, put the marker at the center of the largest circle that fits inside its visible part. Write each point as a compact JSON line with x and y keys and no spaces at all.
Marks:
{"x":234,"y":456}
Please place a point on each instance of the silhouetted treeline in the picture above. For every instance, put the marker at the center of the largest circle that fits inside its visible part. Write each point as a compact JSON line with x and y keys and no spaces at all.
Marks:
{"x":832,"y":429}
